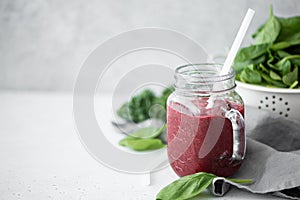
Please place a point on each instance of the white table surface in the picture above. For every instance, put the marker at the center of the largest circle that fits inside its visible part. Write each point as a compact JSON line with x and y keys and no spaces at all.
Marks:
{"x":41,"y":156}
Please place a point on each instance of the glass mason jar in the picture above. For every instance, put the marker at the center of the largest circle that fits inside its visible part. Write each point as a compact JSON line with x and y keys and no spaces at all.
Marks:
{"x":205,"y":124}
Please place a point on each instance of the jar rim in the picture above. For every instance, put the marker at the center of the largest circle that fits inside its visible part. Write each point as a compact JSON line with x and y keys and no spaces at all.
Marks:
{"x":184,"y":72}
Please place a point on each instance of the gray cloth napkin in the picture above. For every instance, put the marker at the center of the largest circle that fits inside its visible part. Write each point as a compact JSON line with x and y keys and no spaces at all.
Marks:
{"x":272,"y":159}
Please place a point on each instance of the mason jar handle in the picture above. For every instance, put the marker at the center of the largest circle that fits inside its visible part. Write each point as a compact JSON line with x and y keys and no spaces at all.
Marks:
{"x":239,"y":140}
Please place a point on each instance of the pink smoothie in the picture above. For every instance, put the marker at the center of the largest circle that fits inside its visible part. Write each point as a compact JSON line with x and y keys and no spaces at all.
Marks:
{"x":202,"y":142}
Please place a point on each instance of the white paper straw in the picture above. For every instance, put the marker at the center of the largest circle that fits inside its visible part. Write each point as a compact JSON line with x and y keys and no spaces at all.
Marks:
{"x":237,"y":41}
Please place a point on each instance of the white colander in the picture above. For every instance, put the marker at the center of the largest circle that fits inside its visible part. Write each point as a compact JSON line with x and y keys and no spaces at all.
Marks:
{"x":282,"y":102}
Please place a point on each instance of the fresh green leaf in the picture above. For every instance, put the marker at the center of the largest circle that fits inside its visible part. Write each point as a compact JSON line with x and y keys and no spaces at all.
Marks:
{"x":144,"y":139}
{"x":250,"y":75}
{"x":142,"y":144}
{"x":280,"y":45}
{"x":290,"y":29}
{"x":274,"y":56}
{"x":274,"y":76}
{"x":186,"y":187}
{"x":190,"y":186}
{"x":284,"y":66}
{"x":283,"y":54}
{"x":239,"y":67}
{"x":295,"y":42}
{"x":139,"y":106}
{"x":272,"y":82}
{"x":291,"y":77}
{"x":148,"y":132}
{"x":259,"y":59}
{"x":270,"y":30}
{"x":258,"y":31}
{"x":251,"y":52}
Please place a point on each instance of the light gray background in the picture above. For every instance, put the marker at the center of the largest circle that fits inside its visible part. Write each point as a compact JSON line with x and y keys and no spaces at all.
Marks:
{"x":43,"y":43}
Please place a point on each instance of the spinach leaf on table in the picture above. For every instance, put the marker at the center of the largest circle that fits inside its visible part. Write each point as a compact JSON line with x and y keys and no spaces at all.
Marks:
{"x":148,"y":132}
{"x":139,"y":108}
{"x":142,"y":144}
{"x":144,"y":139}
{"x":190,"y":186}
{"x":186,"y":187}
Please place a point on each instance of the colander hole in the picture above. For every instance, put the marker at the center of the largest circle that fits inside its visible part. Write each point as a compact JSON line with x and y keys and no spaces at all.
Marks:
{"x":261,"y":101}
{"x":267,"y":105}
{"x":286,"y":115}
{"x":280,"y":99}
{"x":259,"y":107}
{"x":286,"y":103}
{"x":273,"y":102}
{"x":288,"y":109}
{"x":280,"y":113}
{"x":273,"y":97}
{"x":266,"y":98}
{"x":273,"y":109}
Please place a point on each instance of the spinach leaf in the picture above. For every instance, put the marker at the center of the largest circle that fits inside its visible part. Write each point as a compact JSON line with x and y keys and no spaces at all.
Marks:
{"x":142,"y":144}
{"x":274,"y":76}
{"x":284,"y":45}
{"x":186,"y":187}
{"x":258,"y":31}
{"x":190,"y":186}
{"x":290,"y":29}
{"x":148,"y":132}
{"x":138,"y":108}
{"x":271,"y":82}
{"x":282,"y":54}
{"x":140,"y":105}
{"x":295,"y":42}
{"x":254,"y":54}
{"x":250,"y":75}
{"x":270,"y":31}
{"x":291,"y":77}
{"x":274,"y":59}
{"x":280,"y":45}
{"x":144,"y":139}
{"x":251,"y":52}
{"x":284,"y":66}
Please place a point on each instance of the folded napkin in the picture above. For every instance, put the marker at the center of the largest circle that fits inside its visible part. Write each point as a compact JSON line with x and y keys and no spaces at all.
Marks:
{"x":272,"y":159}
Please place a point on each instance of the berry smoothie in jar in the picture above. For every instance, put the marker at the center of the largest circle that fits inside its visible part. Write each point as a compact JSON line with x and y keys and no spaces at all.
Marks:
{"x":205,"y":124}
